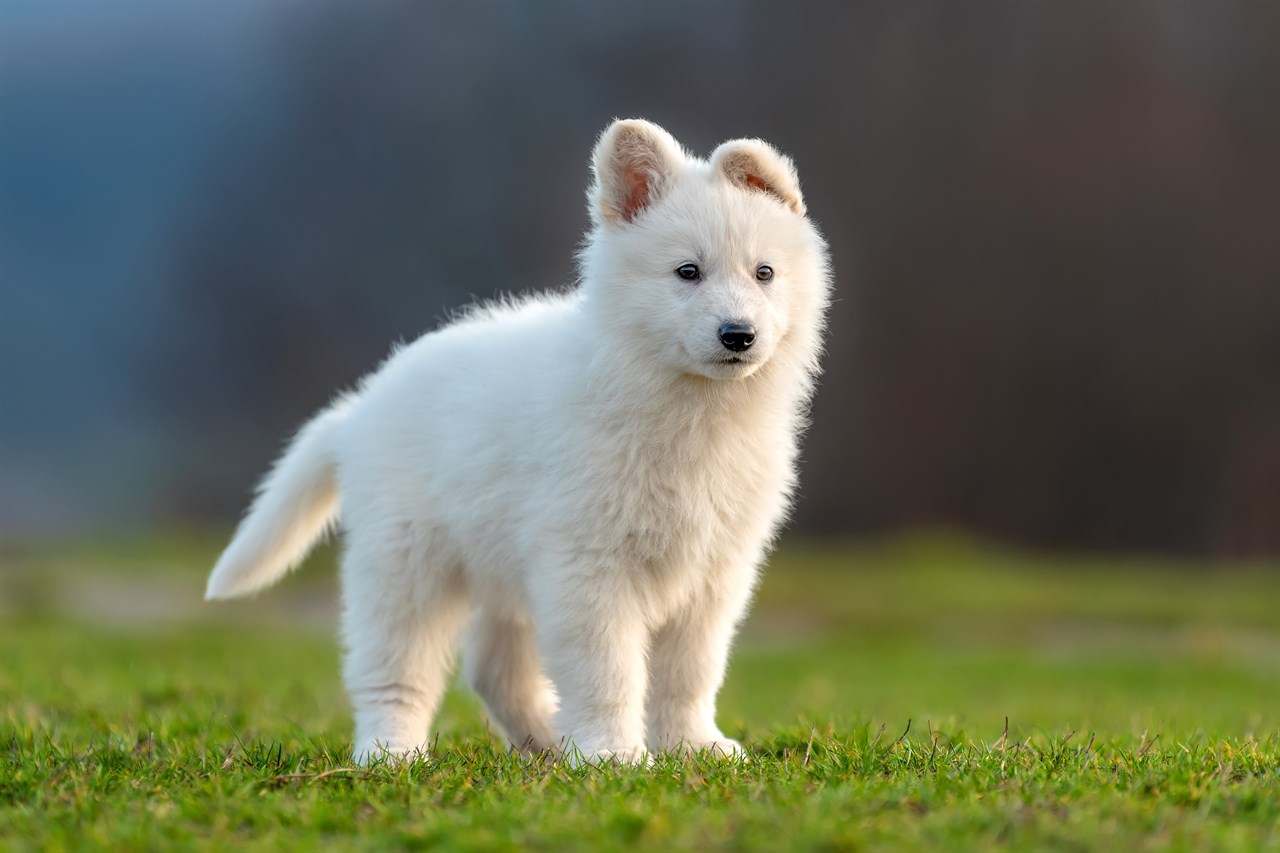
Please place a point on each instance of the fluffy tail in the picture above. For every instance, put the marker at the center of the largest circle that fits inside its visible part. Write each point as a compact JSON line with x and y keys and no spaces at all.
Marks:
{"x":295,"y":504}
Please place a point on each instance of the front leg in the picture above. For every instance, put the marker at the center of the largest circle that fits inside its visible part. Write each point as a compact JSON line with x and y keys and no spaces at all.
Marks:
{"x":686,"y":668}
{"x":592,"y":638}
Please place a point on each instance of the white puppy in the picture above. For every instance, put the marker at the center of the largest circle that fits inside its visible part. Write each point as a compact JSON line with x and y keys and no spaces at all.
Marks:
{"x":590,"y":480}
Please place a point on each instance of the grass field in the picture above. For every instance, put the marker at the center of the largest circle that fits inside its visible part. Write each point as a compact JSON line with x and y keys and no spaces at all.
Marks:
{"x":1142,"y":702}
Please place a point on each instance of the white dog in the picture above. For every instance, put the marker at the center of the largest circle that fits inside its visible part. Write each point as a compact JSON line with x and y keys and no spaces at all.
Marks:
{"x":586,"y":482}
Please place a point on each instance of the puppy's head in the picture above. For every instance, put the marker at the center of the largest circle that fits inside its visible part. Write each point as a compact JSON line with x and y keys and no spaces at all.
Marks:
{"x":708,"y":266}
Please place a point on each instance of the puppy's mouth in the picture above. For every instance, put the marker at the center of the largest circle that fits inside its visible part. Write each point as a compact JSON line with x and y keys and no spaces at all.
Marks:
{"x":734,"y":364}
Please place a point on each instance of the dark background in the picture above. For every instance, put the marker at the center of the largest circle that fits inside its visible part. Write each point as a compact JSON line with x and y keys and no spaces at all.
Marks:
{"x":1055,"y":226}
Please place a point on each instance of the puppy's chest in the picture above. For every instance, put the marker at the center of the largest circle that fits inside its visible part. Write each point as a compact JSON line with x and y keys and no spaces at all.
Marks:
{"x":671,"y":503}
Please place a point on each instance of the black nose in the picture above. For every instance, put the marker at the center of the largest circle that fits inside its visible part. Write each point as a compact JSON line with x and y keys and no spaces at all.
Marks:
{"x":737,"y":336}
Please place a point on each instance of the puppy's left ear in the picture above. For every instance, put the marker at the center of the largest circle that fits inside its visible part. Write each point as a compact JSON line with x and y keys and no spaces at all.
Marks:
{"x":756,"y":165}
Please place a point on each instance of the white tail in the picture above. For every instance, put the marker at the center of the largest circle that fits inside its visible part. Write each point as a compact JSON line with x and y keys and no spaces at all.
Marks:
{"x":295,"y":504}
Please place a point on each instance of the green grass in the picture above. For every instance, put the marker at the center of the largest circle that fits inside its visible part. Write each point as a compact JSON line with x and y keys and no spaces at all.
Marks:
{"x":1142,"y":697}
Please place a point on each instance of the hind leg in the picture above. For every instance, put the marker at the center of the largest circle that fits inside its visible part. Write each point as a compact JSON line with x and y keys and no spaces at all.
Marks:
{"x":401,"y":620}
{"x":501,"y":664}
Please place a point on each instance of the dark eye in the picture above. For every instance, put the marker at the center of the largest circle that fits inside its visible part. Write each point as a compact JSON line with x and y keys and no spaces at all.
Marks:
{"x":764,"y":272}
{"x":689,"y":272}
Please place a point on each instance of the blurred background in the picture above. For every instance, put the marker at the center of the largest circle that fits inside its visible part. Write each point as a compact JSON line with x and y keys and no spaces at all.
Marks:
{"x":1055,"y":226}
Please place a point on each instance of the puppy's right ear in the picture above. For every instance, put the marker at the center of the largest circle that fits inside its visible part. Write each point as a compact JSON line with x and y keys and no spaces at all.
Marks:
{"x":634,"y":163}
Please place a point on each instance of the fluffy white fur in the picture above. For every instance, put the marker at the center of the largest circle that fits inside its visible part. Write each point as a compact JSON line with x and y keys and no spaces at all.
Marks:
{"x":584,"y":484}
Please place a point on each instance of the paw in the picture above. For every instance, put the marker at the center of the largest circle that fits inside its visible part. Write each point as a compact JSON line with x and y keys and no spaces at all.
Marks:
{"x":375,"y":751}
{"x":597,"y":757}
{"x":717,"y":747}
{"x":724,"y":748}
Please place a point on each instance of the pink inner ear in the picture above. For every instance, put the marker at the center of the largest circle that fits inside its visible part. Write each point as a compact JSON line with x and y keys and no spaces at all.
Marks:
{"x":754,"y":182}
{"x":635,"y":192}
